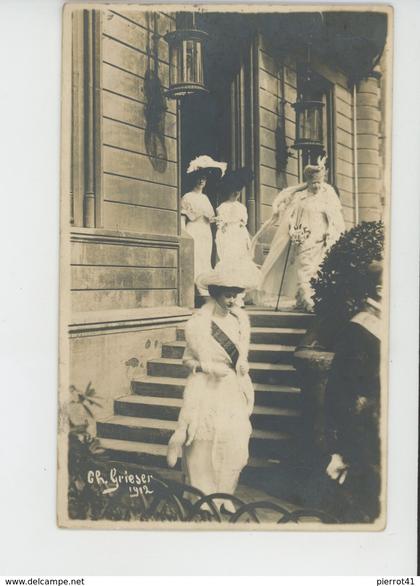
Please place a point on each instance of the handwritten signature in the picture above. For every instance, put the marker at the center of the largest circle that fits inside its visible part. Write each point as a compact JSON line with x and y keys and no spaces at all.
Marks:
{"x":137,"y":484}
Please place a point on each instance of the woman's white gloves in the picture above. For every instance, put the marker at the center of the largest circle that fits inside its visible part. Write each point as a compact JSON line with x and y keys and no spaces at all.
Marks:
{"x":249,"y":393}
{"x":175,"y":446}
{"x":217,"y":370}
{"x":242,"y":367}
{"x":191,"y":431}
{"x":337,"y":469}
{"x":220,"y":370}
{"x":182,"y":436}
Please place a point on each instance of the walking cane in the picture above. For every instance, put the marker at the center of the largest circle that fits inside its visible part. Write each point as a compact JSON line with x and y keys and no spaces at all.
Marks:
{"x":284,"y":273}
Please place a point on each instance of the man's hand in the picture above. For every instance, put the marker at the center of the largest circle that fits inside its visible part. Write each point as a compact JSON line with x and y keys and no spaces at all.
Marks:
{"x":337,"y":469}
{"x":361,"y":404}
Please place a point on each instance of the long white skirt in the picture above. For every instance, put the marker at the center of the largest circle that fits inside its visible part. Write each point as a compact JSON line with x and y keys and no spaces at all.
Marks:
{"x":203,"y":241}
{"x":301,"y":267}
{"x":275,"y":273}
{"x":233,"y":243}
{"x":218,"y":410}
{"x":308,"y":261}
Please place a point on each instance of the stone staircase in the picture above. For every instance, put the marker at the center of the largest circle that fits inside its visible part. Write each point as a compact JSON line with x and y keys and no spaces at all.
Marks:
{"x":143,"y":421}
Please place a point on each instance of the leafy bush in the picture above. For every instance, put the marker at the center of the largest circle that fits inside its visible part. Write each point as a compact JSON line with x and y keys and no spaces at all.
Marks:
{"x":344,"y":281}
{"x":89,"y":499}
{"x":83,"y":449}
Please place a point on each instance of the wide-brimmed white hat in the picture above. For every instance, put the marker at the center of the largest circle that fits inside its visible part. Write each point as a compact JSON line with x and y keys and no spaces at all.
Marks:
{"x":207,"y":163}
{"x":244,"y":274}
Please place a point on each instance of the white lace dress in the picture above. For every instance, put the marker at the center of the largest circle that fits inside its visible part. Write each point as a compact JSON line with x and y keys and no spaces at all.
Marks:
{"x":313,"y":223}
{"x":233,"y":241}
{"x":232,"y":237}
{"x":198,"y":211}
{"x":217,"y":408}
{"x":320,"y":217}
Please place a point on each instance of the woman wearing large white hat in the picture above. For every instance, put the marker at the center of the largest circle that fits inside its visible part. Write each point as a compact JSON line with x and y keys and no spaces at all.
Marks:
{"x":214,"y":427}
{"x":197,"y":213}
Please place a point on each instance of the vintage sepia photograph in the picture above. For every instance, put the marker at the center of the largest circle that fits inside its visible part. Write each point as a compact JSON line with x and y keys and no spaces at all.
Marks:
{"x":224,"y":266}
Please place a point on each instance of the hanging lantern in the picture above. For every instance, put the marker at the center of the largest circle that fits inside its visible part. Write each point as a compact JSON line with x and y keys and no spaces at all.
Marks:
{"x":309,"y":124}
{"x":309,"y":110}
{"x":186,"y":62}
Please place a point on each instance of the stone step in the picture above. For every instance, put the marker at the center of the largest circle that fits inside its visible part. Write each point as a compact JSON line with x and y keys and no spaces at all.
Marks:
{"x":265,"y":394}
{"x":167,"y":408}
{"x":265,"y":335}
{"x":158,"y":431}
{"x":274,"y":353}
{"x":153,"y":456}
{"x":260,"y":372}
{"x":279,"y":319}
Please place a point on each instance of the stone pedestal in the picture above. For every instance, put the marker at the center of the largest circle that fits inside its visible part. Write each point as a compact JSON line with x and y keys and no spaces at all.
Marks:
{"x":313,"y":367}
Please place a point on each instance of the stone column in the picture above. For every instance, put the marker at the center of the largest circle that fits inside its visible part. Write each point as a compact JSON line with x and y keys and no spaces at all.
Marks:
{"x":368,"y":145}
{"x":90,"y":118}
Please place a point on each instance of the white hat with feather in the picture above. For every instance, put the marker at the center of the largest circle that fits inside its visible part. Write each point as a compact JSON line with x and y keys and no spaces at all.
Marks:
{"x":204,"y":162}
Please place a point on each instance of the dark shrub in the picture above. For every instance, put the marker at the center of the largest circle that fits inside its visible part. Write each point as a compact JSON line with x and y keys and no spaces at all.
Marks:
{"x":343,"y":282}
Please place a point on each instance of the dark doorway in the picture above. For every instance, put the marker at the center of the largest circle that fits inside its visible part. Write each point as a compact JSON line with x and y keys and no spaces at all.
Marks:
{"x":218,"y":123}
{"x":205,"y":130}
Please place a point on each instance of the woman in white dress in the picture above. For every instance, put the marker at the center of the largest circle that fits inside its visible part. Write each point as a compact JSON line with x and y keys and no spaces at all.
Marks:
{"x":213,"y":427}
{"x":310,"y":221}
{"x":233,"y":242}
{"x":197,"y":214}
{"x":232,"y":237}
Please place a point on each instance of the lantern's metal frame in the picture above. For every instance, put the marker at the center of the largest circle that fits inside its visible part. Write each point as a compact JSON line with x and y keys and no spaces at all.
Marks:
{"x":185,"y":88}
{"x":300,"y":106}
{"x":306,"y":101}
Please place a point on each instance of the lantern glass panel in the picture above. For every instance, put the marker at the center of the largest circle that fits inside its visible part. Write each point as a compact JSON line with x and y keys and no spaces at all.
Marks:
{"x":309,"y":123}
{"x":186,"y":74}
{"x":174,"y":64}
{"x":199,"y":64}
{"x":182,"y":62}
{"x":190,"y":61}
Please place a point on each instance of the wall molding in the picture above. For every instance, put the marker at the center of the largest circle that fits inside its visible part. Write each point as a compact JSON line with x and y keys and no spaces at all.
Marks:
{"x":95,"y":236}
{"x":120,"y":321}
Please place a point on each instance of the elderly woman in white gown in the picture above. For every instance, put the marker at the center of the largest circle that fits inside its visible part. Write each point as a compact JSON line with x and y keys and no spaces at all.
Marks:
{"x":213,"y":427}
{"x":310,"y":221}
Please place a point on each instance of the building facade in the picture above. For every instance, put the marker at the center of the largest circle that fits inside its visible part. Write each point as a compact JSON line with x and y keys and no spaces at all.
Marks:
{"x":131,"y":264}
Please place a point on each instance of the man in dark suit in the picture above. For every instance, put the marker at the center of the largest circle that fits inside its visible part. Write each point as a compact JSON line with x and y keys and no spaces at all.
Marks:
{"x":352,"y":404}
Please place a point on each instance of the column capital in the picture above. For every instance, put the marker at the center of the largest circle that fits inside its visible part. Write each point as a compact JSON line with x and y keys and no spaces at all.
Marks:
{"x":376,"y":72}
